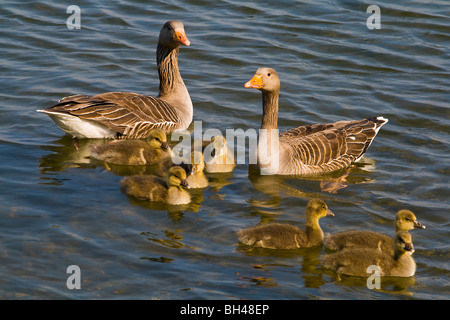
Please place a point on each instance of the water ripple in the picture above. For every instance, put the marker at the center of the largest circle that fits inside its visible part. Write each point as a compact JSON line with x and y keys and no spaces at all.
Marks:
{"x":60,"y":208}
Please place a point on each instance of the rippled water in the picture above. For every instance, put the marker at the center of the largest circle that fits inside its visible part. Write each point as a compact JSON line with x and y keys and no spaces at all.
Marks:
{"x":57,"y":208}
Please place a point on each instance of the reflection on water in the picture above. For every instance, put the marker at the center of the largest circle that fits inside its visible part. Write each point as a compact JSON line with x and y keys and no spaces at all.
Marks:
{"x":63,"y":155}
{"x":397,"y":285}
{"x":307,"y":258}
{"x":172,"y":239}
{"x":278,"y":187}
{"x":60,"y":207}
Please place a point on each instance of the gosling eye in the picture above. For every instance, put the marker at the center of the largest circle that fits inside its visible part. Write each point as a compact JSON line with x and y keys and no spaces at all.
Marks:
{"x":323,"y":207}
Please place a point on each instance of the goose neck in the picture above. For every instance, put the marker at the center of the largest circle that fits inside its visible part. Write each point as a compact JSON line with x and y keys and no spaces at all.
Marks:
{"x":270,"y":109}
{"x":169,"y":75}
{"x":313,"y":231}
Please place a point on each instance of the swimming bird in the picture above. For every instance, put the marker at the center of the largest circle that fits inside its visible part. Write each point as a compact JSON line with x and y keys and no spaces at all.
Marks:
{"x":154,"y":188}
{"x":405,"y":220}
{"x":285,"y":236}
{"x":128,"y":114}
{"x":196,"y":177}
{"x":134,"y":151}
{"x":222,"y":158}
{"x":309,"y":149}
{"x":355,"y":261}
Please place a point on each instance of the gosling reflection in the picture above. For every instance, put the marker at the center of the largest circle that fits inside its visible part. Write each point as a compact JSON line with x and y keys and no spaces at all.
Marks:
{"x":171,"y":239}
{"x":310,"y":263}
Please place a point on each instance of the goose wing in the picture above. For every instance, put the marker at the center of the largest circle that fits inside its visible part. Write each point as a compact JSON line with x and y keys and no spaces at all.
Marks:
{"x":332,"y":146}
{"x":130,"y":114}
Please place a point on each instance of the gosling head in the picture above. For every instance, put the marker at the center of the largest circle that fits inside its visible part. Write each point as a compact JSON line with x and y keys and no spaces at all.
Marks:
{"x":172,"y":35}
{"x":265,"y":79}
{"x":197,"y":162}
{"x":406,"y":220}
{"x":220,"y":146}
{"x":177,"y":177}
{"x":317,"y":209}
{"x":403,"y":243}
{"x":158,"y":139}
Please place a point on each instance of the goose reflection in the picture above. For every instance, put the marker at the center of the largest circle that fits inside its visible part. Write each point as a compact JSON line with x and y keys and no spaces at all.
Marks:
{"x":280,"y":186}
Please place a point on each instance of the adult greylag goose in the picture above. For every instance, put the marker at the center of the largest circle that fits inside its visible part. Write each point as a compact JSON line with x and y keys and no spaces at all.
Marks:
{"x":405,"y":220}
{"x":355,"y":261}
{"x":309,"y":149}
{"x":154,"y":188}
{"x":285,"y":236}
{"x":134,"y":151}
{"x":133,"y":115}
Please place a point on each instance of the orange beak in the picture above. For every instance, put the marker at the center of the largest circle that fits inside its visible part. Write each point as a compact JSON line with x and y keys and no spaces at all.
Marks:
{"x":180,"y":35}
{"x":255,"y":82}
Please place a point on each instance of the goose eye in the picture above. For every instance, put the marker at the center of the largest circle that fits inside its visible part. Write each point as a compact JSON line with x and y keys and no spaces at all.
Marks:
{"x":268,"y":74}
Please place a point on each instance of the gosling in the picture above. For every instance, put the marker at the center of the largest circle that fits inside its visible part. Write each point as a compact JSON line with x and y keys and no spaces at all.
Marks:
{"x":134,"y":151}
{"x":154,"y":188}
{"x":355,"y":261}
{"x":197,"y":178}
{"x":284,"y":236}
{"x":405,"y":220}
{"x":221,"y":159}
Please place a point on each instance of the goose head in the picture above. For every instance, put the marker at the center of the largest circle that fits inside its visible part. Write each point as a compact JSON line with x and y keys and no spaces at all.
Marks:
{"x":177,"y":177}
{"x":158,"y":140}
{"x":265,"y":79}
{"x":317,"y":209}
{"x":403,"y":243}
{"x":172,"y":34}
{"x":406,"y":220}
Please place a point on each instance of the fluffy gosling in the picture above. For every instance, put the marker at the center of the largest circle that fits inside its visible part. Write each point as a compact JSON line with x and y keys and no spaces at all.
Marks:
{"x":285,"y":236}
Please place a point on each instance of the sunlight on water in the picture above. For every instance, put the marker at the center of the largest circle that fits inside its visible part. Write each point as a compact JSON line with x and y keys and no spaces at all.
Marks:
{"x":59,"y":207}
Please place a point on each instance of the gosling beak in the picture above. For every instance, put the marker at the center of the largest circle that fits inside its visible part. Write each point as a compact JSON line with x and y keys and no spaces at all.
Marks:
{"x":409,"y":247}
{"x":180,"y":36}
{"x":330,"y":213}
{"x":165,"y":146}
{"x":418,"y":225}
{"x":255,"y":82}
{"x":184,"y":183}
